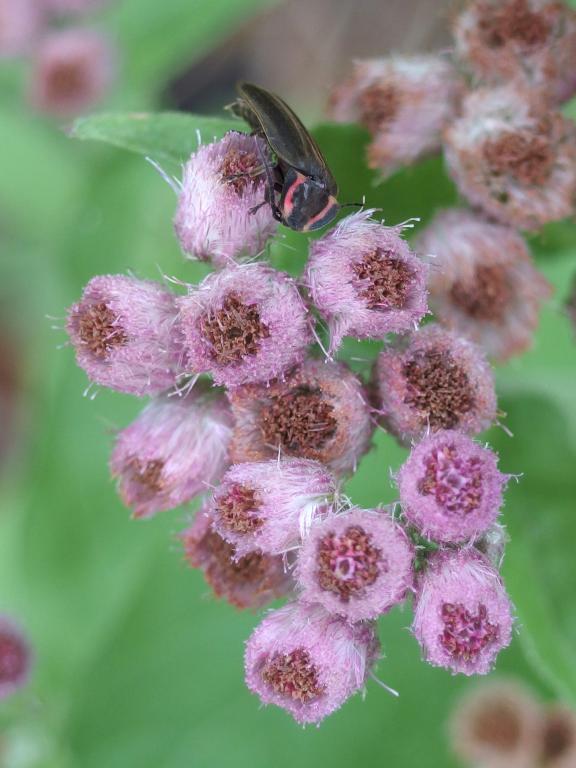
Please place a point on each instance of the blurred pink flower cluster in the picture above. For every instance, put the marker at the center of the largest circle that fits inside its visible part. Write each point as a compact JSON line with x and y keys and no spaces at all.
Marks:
{"x":70,"y":65}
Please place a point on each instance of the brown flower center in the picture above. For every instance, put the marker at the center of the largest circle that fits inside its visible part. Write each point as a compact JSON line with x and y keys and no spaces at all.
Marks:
{"x":237,"y":509}
{"x":348,"y":563}
{"x":241,"y":170}
{"x":99,"y":330}
{"x":528,"y":158}
{"x":148,"y":474}
{"x":234,"y":332}
{"x":378,"y":106}
{"x":487,"y":296}
{"x":67,"y":80}
{"x":224,"y":570}
{"x":438,"y":387}
{"x":293,"y":675}
{"x":466,"y":634}
{"x":455,"y":482}
{"x":300,"y":421}
{"x":512,"y":21}
{"x":498,"y":726}
{"x":12,"y":658}
{"x":385,"y":279}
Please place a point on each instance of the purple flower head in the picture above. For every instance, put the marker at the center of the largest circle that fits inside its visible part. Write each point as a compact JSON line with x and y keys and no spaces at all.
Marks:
{"x":244,"y":324}
{"x":558,"y":748}
{"x":405,"y":103}
{"x":250,"y":581}
{"x":497,"y":724}
{"x":269,"y":505}
{"x":513,"y":157}
{"x":435,"y":380}
{"x":123,"y":332}
{"x":365,"y":280}
{"x":222,"y":182}
{"x":320,"y":411}
{"x":20,"y":22}
{"x":462,"y":612}
{"x":532,"y":41}
{"x":308,"y":662}
{"x":357,"y":564}
{"x":176,"y":449}
{"x":451,"y":488}
{"x":485,"y":285}
{"x":15,"y":658}
{"x":72,"y":71}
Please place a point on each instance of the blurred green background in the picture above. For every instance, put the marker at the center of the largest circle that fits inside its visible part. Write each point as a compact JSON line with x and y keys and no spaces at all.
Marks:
{"x":136,"y":664}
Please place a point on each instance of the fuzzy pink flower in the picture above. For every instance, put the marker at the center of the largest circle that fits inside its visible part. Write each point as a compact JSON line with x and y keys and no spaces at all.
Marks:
{"x":365,"y":280}
{"x":405,"y":103}
{"x":123,"y":332}
{"x":558,"y":749}
{"x":357,"y":564}
{"x":72,"y":72}
{"x":20,"y":23}
{"x":484,"y":284}
{"x":532,"y":41}
{"x":64,"y":7}
{"x":513,"y":157}
{"x":15,"y":658}
{"x":269,"y":505}
{"x":497,"y":724}
{"x":462,"y":612}
{"x":435,"y":380}
{"x":245,"y":324}
{"x":176,"y":449}
{"x":320,"y":411}
{"x":250,"y":581}
{"x":451,"y":488}
{"x":222,"y":183}
{"x":308,"y":662}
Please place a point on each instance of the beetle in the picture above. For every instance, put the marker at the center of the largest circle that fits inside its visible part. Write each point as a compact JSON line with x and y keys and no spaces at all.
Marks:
{"x":301,"y":188}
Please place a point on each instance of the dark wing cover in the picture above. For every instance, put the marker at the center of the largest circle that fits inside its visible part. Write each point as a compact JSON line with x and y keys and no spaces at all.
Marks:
{"x":286,"y":134}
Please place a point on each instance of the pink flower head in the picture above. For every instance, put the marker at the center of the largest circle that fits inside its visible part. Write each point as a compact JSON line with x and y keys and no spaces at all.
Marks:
{"x":123,"y":332}
{"x":244,"y":324}
{"x":485,"y":285}
{"x":357,"y":564}
{"x":513,"y":157}
{"x":269,"y":505}
{"x":532,"y":41}
{"x":558,"y":749}
{"x":20,"y":22}
{"x":72,"y":72}
{"x":250,"y":581}
{"x":365,"y":280}
{"x":64,"y":7}
{"x":405,"y":103}
{"x":435,"y":380}
{"x":497,"y":724}
{"x":320,"y":411}
{"x":222,"y":183}
{"x":451,"y":488}
{"x":462,"y":612}
{"x":176,"y":449}
{"x":308,"y":662}
{"x":15,"y":658}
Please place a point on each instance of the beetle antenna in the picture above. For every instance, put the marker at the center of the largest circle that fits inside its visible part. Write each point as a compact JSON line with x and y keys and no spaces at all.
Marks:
{"x":353,"y":205}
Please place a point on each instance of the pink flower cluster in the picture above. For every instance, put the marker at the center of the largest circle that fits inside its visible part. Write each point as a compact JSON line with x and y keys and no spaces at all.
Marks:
{"x":72,"y":67}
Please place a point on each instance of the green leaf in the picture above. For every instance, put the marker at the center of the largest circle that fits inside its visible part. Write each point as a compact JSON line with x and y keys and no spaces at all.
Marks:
{"x":166,"y":137}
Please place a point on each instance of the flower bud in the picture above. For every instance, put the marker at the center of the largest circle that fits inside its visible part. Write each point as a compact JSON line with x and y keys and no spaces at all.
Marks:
{"x":223,"y":182}
{"x":123,"y":332}
{"x":451,"y":488}
{"x":244,"y":324}
{"x":365,"y":280}
{"x":20,"y":22}
{"x":435,"y":380}
{"x":484,"y":284}
{"x":462,"y":612}
{"x":306,"y":661}
{"x":250,"y":581}
{"x":357,"y":564}
{"x":176,"y":449}
{"x":320,"y":411}
{"x":15,"y":658}
{"x":72,"y":72}
{"x":405,"y":103}
{"x":269,"y":505}
{"x":513,"y":157}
